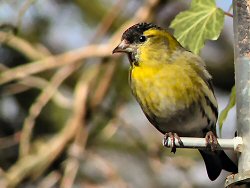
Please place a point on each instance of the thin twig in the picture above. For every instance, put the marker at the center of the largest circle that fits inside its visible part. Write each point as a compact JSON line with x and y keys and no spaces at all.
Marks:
{"x":36,"y":107}
{"x":78,"y":146}
{"x":108,"y":20}
{"x":103,"y":84}
{"x":22,"y":11}
{"x":52,"y":62}
{"x":24,"y":84}
{"x":38,"y":83}
{"x":34,"y":82}
{"x":50,"y":180}
{"x":76,"y":151}
{"x":23,"y":46}
{"x":9,"y":141}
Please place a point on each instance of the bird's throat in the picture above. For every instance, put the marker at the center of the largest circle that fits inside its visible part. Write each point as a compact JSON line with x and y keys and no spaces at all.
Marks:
{"x":132,"y":59}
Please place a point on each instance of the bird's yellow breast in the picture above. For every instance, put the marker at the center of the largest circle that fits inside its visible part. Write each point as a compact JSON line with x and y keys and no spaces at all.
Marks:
{"x":163,"y":89}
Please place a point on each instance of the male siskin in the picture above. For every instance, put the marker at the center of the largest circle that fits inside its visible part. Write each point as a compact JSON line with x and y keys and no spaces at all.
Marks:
{"x":174,"y":90}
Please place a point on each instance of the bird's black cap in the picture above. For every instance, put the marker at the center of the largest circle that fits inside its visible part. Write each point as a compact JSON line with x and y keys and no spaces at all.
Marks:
{"x":133,"y":33}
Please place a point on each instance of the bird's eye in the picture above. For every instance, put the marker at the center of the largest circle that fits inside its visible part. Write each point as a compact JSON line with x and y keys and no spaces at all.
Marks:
{"x":142,"y":38}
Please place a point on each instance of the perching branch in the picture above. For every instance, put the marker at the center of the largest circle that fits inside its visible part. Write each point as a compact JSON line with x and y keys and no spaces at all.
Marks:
{"x":235,"y":144}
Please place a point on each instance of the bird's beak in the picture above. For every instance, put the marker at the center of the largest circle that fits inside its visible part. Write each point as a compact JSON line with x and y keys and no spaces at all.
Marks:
{"x":122,"y":47}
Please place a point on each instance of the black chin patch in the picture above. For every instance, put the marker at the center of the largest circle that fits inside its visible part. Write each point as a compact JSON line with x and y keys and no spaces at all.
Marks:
{"x":132,"y":34}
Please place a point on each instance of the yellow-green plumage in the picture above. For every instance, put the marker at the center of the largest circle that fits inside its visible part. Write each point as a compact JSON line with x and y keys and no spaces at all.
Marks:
{"x":165,"y":88}
{"x":172,"y":84}
{"x":173,"y":88}
{"x":169,"y":83}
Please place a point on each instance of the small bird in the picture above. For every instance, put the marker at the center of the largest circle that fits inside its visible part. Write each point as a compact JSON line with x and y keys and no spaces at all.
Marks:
{"x":174,"y":90}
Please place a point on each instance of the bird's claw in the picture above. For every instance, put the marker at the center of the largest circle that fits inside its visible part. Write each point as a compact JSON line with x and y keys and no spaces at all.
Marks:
{"x":211,"y":141}
{"x":172,"y":137}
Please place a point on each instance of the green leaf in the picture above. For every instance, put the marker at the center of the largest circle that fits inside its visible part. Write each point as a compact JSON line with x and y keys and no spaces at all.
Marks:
{"x":201,"y":22}
{"x":231,"y":103}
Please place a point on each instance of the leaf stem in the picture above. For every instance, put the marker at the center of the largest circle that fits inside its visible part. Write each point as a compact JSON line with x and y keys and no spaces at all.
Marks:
{"x":228,"y":14}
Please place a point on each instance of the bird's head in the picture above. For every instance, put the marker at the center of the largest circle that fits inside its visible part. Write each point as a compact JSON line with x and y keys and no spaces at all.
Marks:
{"x":145,"y":41}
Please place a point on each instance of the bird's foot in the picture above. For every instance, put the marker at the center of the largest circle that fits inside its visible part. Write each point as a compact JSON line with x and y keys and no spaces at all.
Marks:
{"x":172,"y":137}
{"x":211,"y":140}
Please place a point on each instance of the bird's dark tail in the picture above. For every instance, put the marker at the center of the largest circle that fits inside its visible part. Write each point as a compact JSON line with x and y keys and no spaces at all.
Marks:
{"x":216,"y":161}
{"x":227,"y":163}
